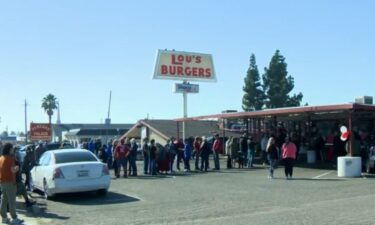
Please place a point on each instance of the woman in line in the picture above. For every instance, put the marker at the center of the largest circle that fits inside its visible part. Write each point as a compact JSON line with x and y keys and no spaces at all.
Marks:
{"x":272,"y":155}
{"x":288,"y":151}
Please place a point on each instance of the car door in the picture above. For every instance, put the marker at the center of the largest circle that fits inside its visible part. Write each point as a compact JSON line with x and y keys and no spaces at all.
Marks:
{"x":39,"y":170}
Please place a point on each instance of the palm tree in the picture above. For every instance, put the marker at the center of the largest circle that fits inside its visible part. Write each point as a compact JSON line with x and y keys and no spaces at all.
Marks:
{"x":49,"y":103}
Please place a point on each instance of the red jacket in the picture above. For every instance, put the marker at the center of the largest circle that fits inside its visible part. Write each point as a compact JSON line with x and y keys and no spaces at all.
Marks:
{"x":121,"y":151}
{"x":216,"y":146}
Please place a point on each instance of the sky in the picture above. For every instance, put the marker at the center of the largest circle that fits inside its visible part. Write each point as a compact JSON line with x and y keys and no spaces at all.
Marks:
{"x":81,"y":50}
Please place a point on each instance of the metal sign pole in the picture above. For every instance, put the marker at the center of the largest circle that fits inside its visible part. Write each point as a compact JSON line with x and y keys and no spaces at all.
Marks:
{"x":184,"y":95}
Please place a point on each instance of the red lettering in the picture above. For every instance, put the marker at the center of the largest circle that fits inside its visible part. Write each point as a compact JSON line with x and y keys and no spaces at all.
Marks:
{"x":180,"y":70}
{"x":164,"y":69}
{"x":198,"y":59}
{"x":195,"y":71}
{"x":208,"y":72}
{"x":187,"y":71}
{"x":201,"y":72}
{"x":172,"y":70}
{"x":180,"y":58}
{"x":174,"y":60}
{"x":188,"y":58}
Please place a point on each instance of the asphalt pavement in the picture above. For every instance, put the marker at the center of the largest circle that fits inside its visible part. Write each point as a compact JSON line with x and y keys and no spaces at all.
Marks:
{"x":229,"y":196}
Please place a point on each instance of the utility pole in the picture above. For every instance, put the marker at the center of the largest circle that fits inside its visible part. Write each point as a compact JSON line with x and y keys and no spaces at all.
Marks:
{"x":25,"y":121}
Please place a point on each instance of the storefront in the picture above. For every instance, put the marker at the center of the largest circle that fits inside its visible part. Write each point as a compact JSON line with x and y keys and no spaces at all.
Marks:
{"x":305,"y":124}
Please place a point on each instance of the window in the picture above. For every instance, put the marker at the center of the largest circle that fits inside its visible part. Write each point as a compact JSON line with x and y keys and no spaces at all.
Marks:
{"x":67,"y":157}
{"x":45,"y":159}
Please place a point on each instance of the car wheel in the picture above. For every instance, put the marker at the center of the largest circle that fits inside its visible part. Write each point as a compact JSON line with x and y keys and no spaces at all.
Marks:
{"x":102,"y":192}
{"x":46,"y":192}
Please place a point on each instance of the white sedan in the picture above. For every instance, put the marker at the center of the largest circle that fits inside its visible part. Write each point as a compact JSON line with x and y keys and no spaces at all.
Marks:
{"x":70,"y":170}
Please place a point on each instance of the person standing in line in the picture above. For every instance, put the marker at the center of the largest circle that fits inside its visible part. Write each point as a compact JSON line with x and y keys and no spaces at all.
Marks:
{"x":187,"y":154}
{"x":205,"y":152}
{"x":234,"y":147}
{"x":272,"y":155}
{"x":263,"y":148}
{"x":250,"y":152}
{"x":121,"y":152}
{"x":146,"y":155}
{"x":114,"y":164}
{"x":152,"y":157}
{"x":171,"y":149}
{"x":108,"y":152}
{"x":28,"y":164}
{"x":197,"y":146}
{"x":180,"y":152}
{"x":228,"y":152}
{"x":91,"y":146}
{"x":288,"y":151}
{"x":243,"y":147}
{"x":8,"y":170}
{"x":216,"y":149}
{"x":133,"y":157}
{"x":20,"y":186}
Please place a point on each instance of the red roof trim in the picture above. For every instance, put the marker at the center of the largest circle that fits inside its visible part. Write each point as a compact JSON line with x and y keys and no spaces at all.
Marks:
{"x":282,"y":111}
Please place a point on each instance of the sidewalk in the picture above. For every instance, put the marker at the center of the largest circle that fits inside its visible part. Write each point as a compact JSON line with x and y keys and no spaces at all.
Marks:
{"x":28,"y":214}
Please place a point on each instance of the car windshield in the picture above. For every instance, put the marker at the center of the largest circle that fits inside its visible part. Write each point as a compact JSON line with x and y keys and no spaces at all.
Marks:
{"x":67,"y":157}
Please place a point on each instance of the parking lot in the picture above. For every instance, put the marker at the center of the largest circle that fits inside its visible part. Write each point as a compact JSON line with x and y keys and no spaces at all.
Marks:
{"x":236,"y":196}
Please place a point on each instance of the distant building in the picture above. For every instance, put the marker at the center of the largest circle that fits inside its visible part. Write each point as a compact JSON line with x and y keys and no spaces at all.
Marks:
{"x":162,"y":130}
{"x":78,"y":133}
{"x":10,"y":139}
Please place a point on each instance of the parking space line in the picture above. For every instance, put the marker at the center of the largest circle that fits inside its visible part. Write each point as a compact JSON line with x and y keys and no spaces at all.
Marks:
{"x":322,"y":175}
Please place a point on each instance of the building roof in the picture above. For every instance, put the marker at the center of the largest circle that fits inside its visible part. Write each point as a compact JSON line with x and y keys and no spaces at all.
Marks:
{"x":71,"y":126}
{"x":96,"y":132}
{"x":171,"y":128}
{"x":333,"y":111}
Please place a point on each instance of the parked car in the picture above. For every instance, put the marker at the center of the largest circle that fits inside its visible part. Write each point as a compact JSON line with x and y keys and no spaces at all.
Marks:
{"x":58,"y":145}
{"x":370,"y":162}
{"x":68,"y":171}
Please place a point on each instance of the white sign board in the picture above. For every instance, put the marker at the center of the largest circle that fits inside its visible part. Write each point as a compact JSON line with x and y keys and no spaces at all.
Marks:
{"x":186,"y":66}
{"x":186,"y":88}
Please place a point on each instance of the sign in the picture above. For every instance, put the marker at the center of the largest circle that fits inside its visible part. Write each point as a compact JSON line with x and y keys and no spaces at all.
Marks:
{"x":176,"y":65}
{"x":40,"y":132}
{"x":186,"y":88}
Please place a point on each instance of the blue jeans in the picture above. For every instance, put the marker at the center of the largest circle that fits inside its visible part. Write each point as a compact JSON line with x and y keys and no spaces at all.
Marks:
{"x":216,"y":160}
{"x":171,"y":161}
{"x":133,"y":165}
{"x":146,"y":161}
{"x":245,"y":158}
{"x":153,"y":166}
{"x":109,"y":162}
{"x":249,"y":159}
{"x":272,"y":163}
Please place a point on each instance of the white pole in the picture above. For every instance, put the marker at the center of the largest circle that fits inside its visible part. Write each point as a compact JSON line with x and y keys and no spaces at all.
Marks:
{"x":185,"y":116}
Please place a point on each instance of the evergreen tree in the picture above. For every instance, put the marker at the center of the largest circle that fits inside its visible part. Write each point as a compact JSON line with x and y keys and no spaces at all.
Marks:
{"x":277,"y":84}
{"x":254,"y":96}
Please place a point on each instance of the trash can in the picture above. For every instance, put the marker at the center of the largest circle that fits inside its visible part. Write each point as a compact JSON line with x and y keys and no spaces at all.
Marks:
{"x":348,"y":166}
{"x":311,"y":156}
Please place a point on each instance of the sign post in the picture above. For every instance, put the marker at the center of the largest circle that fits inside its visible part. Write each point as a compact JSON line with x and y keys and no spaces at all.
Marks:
{"x":185,"y":66}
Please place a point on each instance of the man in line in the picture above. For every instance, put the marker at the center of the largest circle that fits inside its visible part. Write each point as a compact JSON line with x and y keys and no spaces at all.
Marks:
{"x":216,"y":149}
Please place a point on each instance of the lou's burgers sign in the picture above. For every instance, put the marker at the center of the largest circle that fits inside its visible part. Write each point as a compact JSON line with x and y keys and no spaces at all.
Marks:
{"x":176,"y":65}
{"x":40,"y":132}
